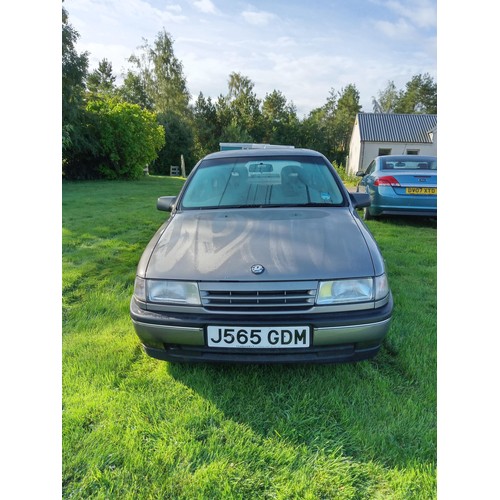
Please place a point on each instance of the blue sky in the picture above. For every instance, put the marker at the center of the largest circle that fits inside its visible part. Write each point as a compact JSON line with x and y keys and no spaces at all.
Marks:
{"x":302,"y":48}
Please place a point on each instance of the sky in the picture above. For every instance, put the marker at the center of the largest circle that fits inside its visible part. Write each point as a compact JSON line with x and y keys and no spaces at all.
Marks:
{"x":302,"y":48}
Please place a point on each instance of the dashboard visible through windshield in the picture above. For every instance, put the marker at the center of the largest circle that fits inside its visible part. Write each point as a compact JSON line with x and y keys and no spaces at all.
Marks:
{"x":262,"y":181}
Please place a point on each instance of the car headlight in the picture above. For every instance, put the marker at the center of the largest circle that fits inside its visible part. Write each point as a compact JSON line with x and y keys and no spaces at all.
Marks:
{"x":352,"y":290}
{"x":167,"y":292}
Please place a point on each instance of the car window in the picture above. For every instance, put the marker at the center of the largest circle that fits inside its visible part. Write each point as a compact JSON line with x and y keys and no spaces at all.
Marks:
{"x":409,"y":164}
{"x":371,"y":168}
{"x":262,"y":181}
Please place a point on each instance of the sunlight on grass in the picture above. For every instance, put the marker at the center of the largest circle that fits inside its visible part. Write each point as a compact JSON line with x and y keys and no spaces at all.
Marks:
{"x":135,"y":427}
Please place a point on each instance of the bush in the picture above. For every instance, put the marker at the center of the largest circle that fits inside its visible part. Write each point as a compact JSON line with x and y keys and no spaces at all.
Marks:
{"x":346,"y":178}
{"x":122,"y":139}
{"x":178,"y":141}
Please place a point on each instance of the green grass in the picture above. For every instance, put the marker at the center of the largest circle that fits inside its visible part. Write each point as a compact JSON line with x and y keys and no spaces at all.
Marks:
{"x":349,"y":180}
{"x":135,"y":427}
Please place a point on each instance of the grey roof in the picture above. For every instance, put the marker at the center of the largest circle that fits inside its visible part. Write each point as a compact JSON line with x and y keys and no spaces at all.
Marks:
{"x":392,"y":127}
{"x":264,"y":152}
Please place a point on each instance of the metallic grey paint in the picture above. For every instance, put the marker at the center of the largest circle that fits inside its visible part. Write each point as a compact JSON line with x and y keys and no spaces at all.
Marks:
{"x":291,"y":244}
{"x":298,"y":246}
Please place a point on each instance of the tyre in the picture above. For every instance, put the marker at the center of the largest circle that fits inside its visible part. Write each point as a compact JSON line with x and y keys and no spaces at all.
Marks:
{"x":367,"y":215}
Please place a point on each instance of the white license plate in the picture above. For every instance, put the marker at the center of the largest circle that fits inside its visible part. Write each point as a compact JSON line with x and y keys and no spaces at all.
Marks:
{"x":252,"y":337}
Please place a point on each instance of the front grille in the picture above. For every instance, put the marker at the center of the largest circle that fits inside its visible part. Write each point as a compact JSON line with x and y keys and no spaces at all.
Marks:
{"x":258,"y":297}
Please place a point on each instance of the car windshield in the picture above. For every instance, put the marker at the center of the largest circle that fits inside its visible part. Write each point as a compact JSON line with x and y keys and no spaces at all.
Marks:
{"x":416,"y":164}
{"x":262,"y":181}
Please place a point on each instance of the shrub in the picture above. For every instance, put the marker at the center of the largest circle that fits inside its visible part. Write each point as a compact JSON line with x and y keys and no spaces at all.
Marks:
{"x":346,"y":178}
{"x":178,"y":141}
{"x":122,"y":140}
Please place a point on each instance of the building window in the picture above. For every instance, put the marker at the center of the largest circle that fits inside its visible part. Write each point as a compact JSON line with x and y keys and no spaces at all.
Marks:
{"x":412,"y":151}
{"x":384,"y":151}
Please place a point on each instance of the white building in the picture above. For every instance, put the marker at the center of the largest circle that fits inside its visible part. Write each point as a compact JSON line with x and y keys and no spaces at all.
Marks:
{"x":377,"y":134}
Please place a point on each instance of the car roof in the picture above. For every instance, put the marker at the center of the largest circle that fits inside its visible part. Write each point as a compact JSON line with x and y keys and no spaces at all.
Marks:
{"x":407,"y":157}
{"x":238,"y":153}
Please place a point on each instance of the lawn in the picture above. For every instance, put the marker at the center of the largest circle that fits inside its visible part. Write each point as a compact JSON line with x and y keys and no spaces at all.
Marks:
{"x":139,"y":428}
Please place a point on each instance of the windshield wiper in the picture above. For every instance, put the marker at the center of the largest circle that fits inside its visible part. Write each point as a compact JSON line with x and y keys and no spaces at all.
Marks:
{"x":265,"y":205}
{"x":242,"y":206}
{"x":318,"y":204}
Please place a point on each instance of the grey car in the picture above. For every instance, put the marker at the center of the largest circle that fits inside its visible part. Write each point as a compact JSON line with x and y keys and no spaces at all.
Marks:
{"x":263,"y":259}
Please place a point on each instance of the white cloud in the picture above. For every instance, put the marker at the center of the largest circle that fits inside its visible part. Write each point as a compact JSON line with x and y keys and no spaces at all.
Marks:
{"x":421,"y":13}
{"x":205,"y":6}
{"x":130,"y":11}
{"x":306,"y":79}
{"x":398,"y":30}
{"x":304,"y":66}
{"x":174,"y":8}
{"x":113,"y":29}
{"x":257,"y":18}
{"x":286,"y":42}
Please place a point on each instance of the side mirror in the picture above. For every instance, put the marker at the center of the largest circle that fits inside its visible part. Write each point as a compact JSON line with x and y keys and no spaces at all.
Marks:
{"x":360,"y":200}
{"x":166,"y":203}
{"x":360,"y":173}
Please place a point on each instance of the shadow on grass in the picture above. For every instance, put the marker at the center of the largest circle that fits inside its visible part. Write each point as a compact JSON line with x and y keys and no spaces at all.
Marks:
{"x":367,"y":409}
{"x":370,"y":410}
{"x":406,"y":220}
{"x":382,"y":410}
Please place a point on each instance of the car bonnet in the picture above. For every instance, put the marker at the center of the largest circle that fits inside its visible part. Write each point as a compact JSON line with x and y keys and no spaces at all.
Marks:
{"x":290,"y":244}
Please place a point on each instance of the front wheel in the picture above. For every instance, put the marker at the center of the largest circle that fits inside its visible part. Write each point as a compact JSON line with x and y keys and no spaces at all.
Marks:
{"x":367,"y":215}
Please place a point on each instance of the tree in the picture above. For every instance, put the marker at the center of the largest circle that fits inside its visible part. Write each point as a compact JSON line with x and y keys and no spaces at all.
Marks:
{"x":224,"y":114}
{"x":102,"y":80}
{"x":418,"y":96}
{"x":239,"y":85}
{"x":328,"y":129}
{"x":179,"y":141}
{"x":161,"y":75}
{"x":235,"y":133}
{"x":347,"y":108}
{"x":74,"y":71}
{"x":159,"y":82}
{"x":313,"y":131}
{"x":206,"y":126}
{"x":280,"y":120}
{"x":125,"y":138}
{"x":387,"y":99}
{"x":133,"y":90}
{"x":243,"y":107}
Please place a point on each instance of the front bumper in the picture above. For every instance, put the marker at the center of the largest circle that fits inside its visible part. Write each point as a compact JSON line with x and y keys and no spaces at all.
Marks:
{"x":336,"y":337}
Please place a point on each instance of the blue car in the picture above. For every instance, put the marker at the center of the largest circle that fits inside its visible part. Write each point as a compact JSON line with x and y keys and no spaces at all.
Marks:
{"x":400,"y":185}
